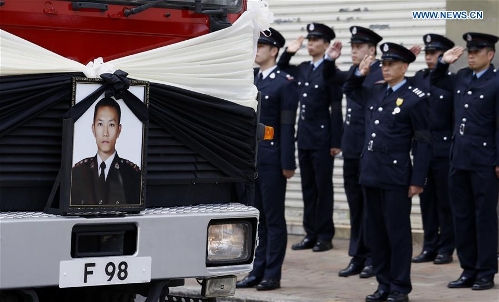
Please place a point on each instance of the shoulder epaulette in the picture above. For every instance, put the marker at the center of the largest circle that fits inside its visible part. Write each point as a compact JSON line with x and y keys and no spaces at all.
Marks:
{"x":128,"y":163}
{"x":285,"y":75}
{"x":84,"y":161}
{"x":418,"y":92}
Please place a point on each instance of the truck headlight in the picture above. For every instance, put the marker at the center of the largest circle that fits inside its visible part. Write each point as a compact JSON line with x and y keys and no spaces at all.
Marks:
{"x":229,"y":242}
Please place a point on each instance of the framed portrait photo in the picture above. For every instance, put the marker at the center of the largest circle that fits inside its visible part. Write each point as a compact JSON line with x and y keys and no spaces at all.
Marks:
{"x":107,"y":150}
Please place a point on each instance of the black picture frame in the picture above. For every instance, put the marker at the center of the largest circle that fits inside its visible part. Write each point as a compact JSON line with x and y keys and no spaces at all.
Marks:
{"x":95,"y":137}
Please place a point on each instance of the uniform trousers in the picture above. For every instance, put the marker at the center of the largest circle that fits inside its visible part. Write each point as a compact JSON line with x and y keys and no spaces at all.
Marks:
{"x":390,"y":237}
{"x":436,"y":211}
{"x":316,"y":170}
{"x":270,"y":194}
{"x":473,"y":196}
{"x":357,"y":248}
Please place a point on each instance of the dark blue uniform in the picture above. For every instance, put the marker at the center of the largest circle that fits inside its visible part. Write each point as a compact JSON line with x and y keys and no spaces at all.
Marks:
{"x":352,"y":143}
{"x":319,"y":130}
{"x":392,"y":123}
{"x":122,"y":184}
{"x":279,"y":101}
{"x":474,"y":156}
{"x":435,"y":205}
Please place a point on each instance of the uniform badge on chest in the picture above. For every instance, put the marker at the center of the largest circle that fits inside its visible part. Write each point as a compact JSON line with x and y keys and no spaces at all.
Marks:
{"x":398,"y":102}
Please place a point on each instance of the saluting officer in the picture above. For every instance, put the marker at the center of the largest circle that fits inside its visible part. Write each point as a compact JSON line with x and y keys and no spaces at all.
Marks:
{"x":275,"y":162}
{"x":363,"y":42}
{"x":436,"y":214}
{"x":474,"y":166}
{"x":396,"y":115}
{"x":319,"y":136}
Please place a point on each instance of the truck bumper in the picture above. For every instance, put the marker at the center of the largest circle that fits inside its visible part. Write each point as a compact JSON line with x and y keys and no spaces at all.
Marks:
{"x":34,"y":244}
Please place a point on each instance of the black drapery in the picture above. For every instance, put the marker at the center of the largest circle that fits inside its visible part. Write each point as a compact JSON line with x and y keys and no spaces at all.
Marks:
{"x":221,"y":131}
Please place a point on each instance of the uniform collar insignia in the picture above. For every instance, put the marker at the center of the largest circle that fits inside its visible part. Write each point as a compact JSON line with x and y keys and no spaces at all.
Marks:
{"x":117,"y":166}
{"x":272,"y":75}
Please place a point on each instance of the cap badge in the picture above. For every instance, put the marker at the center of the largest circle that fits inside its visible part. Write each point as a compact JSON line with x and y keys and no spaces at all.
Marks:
{"x":399,"y":101}
{"x":311,"y":27}
{"x":354,"y":31}
{"x":428,"y":39}
{"x":385,"y":48}
{"x":468,"y":37}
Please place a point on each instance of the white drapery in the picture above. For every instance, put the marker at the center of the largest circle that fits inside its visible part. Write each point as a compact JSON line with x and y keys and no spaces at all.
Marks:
{"x":219,"y":64}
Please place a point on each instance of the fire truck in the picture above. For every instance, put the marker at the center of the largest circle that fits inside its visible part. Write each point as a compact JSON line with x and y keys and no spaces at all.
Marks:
{"x":192,"y":60}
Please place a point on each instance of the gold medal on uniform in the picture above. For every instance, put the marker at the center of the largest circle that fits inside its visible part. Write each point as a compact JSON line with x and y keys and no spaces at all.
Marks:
{"x":399,"y":101}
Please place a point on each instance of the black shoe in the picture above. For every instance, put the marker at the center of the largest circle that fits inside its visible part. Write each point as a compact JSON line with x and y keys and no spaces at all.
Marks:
{"x":378,"y":295}
{"x":483,"y":283}
{"x":269,"y":284}
{"x":351,"y":270}
{"x":462,"y":282}
{"x":305,"y":244}
{"x":425,"y":256}
{"x":443,"y":259}
{"x":367,"y":272}
{"x":248,"y":281}
{"x":322,"y":246}
{"x":397,"y":297}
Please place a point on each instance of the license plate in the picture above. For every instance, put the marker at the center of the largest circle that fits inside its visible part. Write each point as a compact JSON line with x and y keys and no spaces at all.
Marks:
{"x":104,"y":271}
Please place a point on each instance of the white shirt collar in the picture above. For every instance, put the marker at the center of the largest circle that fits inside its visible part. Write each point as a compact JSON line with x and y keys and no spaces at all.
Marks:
{"x":108,"y":162}
{"x":265,"y":73}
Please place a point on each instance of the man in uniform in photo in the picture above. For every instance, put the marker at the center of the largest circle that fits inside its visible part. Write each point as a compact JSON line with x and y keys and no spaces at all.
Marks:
{"x":363,"y":42}
{"x":318,"y":136}
{"x":106,"y":179}
{"x":474,"y":158}
{"x":436,"y":214}
{"x":396,"y":121}
{"x":275,"y":162}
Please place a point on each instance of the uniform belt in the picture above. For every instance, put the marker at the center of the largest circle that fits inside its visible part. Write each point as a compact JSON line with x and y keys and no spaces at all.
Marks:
{"x":465,"y":130}
{"x":371,"y":146}
{"x":314,"y":118}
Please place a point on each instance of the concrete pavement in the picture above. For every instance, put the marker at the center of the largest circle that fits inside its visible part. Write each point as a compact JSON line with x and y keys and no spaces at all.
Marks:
{"x":313,"y":277}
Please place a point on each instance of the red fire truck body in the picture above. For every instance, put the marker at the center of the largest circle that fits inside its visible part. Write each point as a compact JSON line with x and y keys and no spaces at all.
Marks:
{"x":194,"y":225}
{"x":84,"y":31}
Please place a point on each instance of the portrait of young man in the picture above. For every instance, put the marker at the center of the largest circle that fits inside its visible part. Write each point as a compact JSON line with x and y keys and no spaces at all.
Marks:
{"x":106,"y":178}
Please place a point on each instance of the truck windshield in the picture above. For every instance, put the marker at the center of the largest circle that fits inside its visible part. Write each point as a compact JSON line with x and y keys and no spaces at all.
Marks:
{"x":231,"y":5}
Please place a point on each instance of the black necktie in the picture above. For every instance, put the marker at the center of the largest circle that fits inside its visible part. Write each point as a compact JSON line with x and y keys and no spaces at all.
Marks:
{"x":388,"y":92}
{"x":474,"y":78}
{"x":102,"y":183}
{"x":259,"y":78}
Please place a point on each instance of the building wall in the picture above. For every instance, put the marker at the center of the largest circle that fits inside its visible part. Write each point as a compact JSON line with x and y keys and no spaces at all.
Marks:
{"x":456,"y":28}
